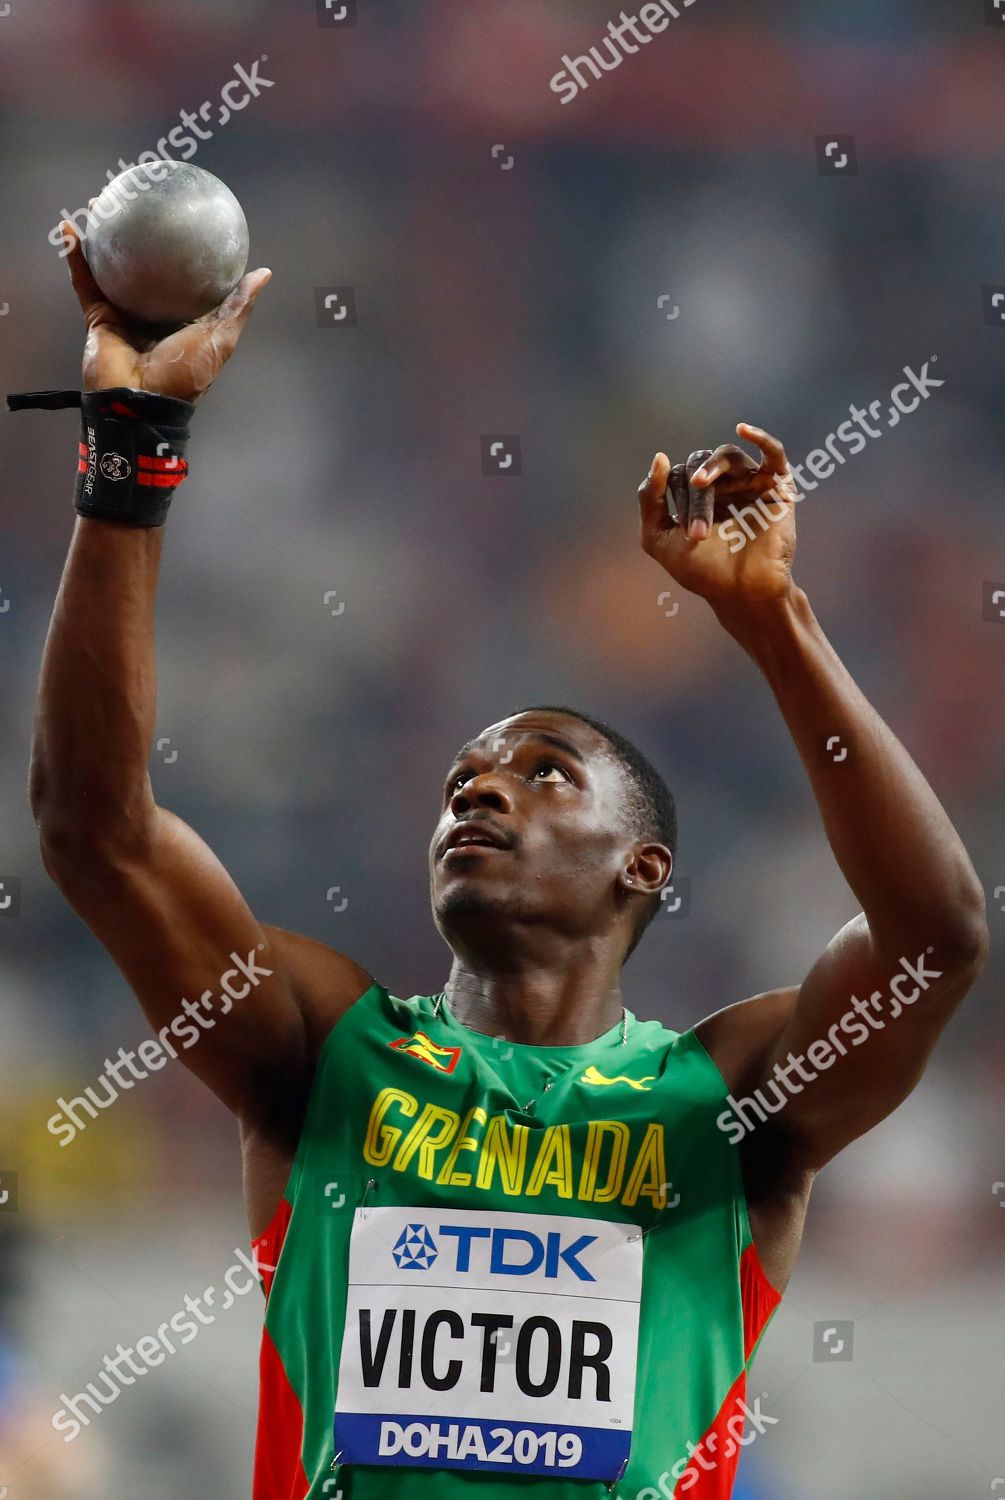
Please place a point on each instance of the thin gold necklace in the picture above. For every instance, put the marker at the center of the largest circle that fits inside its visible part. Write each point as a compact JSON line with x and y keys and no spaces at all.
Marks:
{"x":624,"y":1017}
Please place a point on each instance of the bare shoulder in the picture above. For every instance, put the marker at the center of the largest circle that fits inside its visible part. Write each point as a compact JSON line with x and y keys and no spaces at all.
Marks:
{"x":325,"y":982}
{"x":739,"y":1037}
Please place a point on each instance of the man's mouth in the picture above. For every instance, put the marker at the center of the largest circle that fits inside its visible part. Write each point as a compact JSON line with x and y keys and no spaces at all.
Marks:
{"x":471,"y":846}
{"x":467,"y":838}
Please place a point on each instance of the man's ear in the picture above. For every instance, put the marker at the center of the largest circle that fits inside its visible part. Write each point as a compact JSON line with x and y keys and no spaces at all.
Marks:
{"x":649,"y":868}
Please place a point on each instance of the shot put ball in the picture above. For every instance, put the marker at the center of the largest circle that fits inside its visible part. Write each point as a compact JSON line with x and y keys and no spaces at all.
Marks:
{"x":166,"y":242}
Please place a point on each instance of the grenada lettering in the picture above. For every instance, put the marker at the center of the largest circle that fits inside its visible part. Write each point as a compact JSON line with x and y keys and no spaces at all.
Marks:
{"x":481,"y":1150}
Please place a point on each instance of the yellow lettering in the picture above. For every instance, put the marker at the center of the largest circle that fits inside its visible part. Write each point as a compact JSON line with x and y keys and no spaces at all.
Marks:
{"x":434,"y":1128}
{"x":556,"y":1145}
{"x":498,"y":1145}
{"x":509,"y":1152}
{"x":594,"y":1150}
{"x":649,"y":1174}
{"x":381,"y":1139}
{"x":464,"y":1142}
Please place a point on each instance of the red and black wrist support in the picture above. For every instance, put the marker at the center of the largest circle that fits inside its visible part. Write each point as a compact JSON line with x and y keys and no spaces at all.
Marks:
{"x":131,"y":456}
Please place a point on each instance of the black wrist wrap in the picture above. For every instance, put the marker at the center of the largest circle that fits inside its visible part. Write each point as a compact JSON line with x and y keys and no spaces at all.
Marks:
{"x":131,"y":457}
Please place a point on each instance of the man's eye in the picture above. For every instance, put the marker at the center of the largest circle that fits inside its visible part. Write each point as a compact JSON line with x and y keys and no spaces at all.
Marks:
{"x":552,"y":765}
{"x":458,"y":781}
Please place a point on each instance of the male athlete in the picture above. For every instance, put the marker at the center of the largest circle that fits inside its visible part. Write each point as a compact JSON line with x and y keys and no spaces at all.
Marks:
{"x":509,"y":1233}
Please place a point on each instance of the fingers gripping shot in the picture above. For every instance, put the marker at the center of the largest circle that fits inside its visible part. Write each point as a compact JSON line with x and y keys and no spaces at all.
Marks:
{"x":509,"y":1233}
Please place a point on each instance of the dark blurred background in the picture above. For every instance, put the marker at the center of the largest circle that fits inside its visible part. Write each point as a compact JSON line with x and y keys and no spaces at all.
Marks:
{"x":347,"y":596}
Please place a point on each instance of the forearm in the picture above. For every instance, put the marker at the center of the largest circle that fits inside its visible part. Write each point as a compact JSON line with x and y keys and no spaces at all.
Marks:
{"x":892,"y":839}
{"x":90,"y":789}
{"x":96,"y":703}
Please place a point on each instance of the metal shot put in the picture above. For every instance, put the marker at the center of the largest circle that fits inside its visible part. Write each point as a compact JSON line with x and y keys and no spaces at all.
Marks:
{"x":166,"y":242}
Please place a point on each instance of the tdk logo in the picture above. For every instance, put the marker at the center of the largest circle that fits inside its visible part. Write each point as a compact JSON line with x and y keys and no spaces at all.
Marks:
{"x":508,"y":1252}
{"x":415,"y":1250}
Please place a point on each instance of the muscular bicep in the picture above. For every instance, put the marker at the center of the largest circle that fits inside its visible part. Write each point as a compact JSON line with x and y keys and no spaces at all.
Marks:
{"x":827,"y":1060}
{"x":861,"y":1032}
{"x":227,"y":995}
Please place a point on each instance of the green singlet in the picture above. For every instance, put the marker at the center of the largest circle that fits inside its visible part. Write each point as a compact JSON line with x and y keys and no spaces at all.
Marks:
{"x":497,"y":1266}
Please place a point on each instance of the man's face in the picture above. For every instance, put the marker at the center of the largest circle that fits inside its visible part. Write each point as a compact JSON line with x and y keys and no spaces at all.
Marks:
{"x":545,"y":794}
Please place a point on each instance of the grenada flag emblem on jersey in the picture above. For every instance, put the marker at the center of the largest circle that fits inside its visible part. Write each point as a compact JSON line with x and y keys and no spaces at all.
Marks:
{"x":444,"y":1059}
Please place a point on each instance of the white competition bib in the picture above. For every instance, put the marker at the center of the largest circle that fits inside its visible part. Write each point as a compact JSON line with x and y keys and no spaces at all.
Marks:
{"x":501,"y":1342}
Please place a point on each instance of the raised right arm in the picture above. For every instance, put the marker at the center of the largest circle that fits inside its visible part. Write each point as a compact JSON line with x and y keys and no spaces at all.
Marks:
{"x":148,"y":887}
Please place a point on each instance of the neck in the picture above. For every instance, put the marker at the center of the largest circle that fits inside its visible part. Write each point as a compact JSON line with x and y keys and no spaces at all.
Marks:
{"x":538,"y":1009}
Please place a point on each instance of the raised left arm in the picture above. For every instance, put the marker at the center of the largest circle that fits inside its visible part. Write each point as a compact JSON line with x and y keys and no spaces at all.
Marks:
{"x":871,"y":1009}
{"x":852,"y":1041}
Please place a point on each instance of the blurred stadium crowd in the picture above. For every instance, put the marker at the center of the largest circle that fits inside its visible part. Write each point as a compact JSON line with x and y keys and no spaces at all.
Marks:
{"x":347,"y":597}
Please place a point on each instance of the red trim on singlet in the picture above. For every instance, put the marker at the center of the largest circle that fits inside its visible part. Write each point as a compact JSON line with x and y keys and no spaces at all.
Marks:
{"x":268,"y":1246}
{"x":279,"y":1468}
{"x":758,"y":1296}
{"x":712,"y":1478}
{"x":715,"y":1482}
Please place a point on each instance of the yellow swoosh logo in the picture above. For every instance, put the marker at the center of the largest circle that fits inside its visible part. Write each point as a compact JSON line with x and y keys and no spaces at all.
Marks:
{"x":594,"y":1075}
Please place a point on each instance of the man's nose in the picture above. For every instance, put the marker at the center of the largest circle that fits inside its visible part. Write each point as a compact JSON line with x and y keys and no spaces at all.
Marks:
{"x":487,"y":789}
